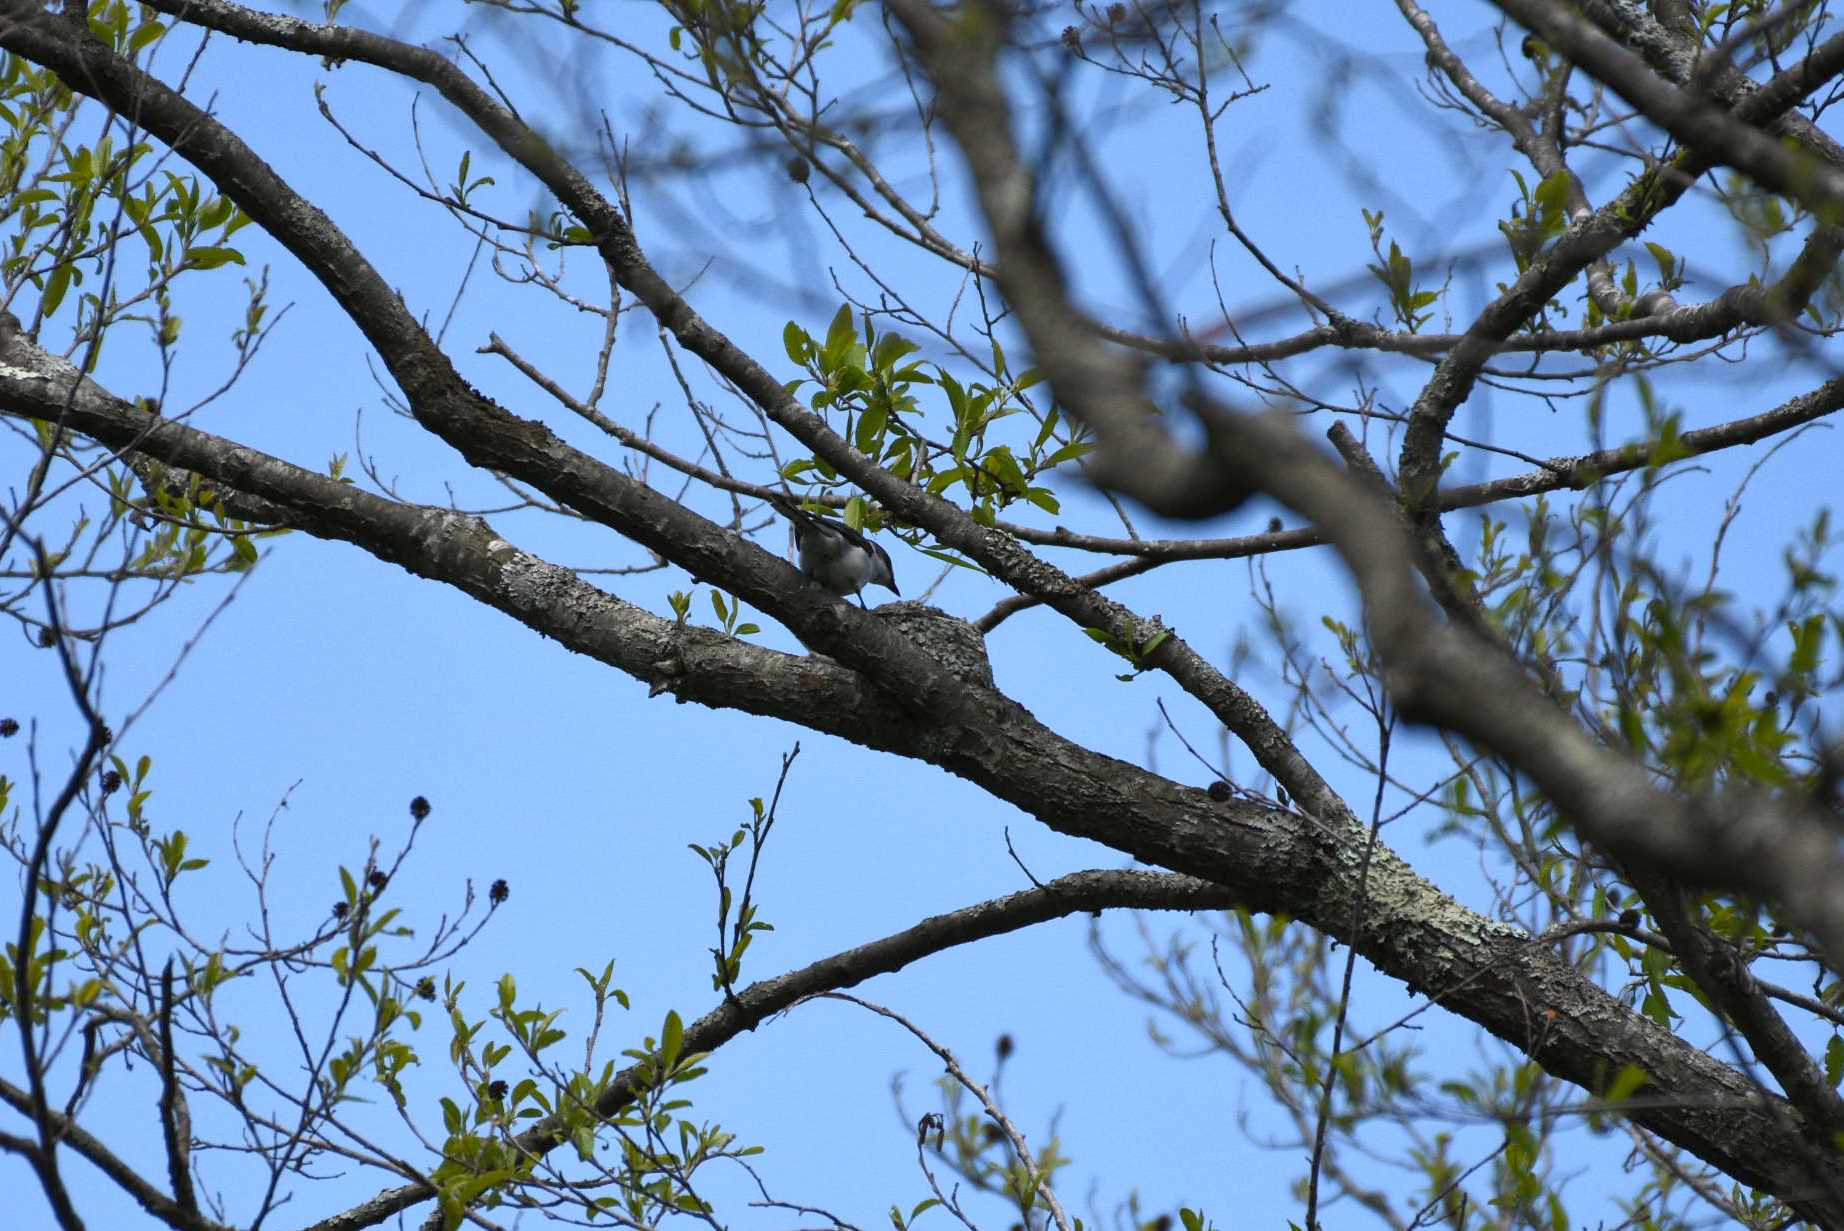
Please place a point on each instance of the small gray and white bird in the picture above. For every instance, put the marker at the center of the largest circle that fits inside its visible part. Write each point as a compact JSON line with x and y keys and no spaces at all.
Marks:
{"x":839,"y":558}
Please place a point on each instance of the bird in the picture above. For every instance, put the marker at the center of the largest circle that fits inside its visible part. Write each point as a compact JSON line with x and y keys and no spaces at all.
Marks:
{"x":841,"y":559}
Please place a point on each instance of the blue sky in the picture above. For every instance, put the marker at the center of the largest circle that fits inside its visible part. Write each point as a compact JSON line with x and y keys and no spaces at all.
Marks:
{"x":345,"y":686}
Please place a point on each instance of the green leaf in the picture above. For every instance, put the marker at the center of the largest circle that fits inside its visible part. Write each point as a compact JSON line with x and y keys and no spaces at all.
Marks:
{"x":1069,"y":452}
{"x":890,"y":348}
{"x":672,"y":1037}
{"x":148,"y":32}
{"x":945,"y":479}
{"x":1656,"y":1007}
{"x":957,"y":403}
{"x":799,"y":345}
{"x":950,"y":558}
{"x":1000,"y":463}
{"x":1043,"y":499}
{"x":1552,"y":199}
{"x":871,"y":426}
{"x":839,"y":338}
{"x":55,"y":287}
{"x":1667,"y":261}
{"x":215,"y":214}
{"x":1625,"y":1083}
{"x":211,"y":258}
{"x":1044,"y":432}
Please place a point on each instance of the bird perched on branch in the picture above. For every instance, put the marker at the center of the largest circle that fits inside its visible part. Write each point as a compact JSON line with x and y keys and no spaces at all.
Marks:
{"x":839,"y":558}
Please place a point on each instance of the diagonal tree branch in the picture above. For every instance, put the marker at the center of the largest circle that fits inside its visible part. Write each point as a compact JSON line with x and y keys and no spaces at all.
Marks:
{"x":749,"y":1008}
{"x":490,"y":437}
{"x":1268,"y":859}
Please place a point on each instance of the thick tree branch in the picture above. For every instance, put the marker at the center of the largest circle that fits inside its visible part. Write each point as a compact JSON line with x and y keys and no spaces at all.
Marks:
{"x":490,"y":437}
{"x":1268,"y":859}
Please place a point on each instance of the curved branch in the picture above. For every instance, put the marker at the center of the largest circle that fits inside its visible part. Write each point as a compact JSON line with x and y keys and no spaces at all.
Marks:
{"x":755,"y":1004}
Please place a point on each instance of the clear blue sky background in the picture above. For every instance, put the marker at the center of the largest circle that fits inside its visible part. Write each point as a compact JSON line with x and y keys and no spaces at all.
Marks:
{"x":346,"y":686}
